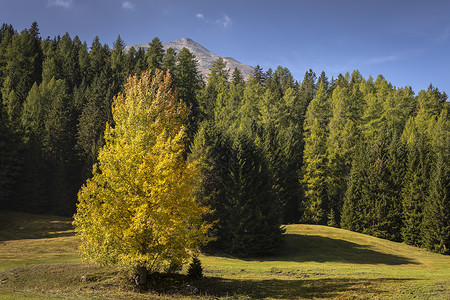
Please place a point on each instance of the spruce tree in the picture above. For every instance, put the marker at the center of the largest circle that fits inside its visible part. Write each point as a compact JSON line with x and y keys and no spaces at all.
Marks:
{"x":238,"y":188}
{"x":169,"y":60}
{"x":353,"y":208}
{"x":188,"y":82}
{"x":372,"y":202}
{"x":118,"y":61}
{"x":11,"y":164}
{"x":436,"y":217}
{"x":259,"y":75}
{"x":96,"y":112}
{"x":436,"y":220}
{"x":155,"y":54}
{"x":58,"y":143}
{"x":416,"y":182}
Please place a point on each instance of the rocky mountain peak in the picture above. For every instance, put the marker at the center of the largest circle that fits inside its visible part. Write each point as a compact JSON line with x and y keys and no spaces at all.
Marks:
{"x":205,"y":57}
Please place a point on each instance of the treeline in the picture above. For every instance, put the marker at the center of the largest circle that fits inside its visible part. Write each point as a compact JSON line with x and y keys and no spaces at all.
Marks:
{"x":56,"y":100}
{"x":348,"y":152}
{"x":352,"y":152}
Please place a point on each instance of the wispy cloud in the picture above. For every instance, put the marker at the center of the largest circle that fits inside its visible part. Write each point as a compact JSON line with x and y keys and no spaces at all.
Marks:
{"x":380,"y":59}
{"x":224,"y":22}
{"x":60,"y":3}
{"x":127,"y":5}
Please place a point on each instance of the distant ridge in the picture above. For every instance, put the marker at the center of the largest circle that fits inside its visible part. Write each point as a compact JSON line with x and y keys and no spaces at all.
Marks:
{"x":205,"y":57}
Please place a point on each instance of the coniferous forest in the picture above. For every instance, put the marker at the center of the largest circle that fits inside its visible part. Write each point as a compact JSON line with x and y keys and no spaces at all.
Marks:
{"x":350,"y":152}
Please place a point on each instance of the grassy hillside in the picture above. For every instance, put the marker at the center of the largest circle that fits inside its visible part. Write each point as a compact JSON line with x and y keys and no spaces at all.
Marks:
{"x":38,"y":259}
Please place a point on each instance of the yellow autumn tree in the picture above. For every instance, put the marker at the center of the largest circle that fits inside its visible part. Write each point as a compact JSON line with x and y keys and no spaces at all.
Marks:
{"x":138,"y":209}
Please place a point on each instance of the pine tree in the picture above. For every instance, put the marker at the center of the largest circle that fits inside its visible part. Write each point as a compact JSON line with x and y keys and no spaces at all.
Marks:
{"x":254,"y":215}
{"x":58,"y":142}
{"x":372,"y":202}
{"x":259,"y":75}
{"x":10,"y":164}
{"x":436,"y":217}
{"x":118,"y":61}
{"x":188,"y":82}
{"x":195,"y":270}
{"x":436,"y":221}
{"x":341,"y":142}
{"x":352,"y":216}
{"x":372,"y":115}
{"x":217,"y":83}
{"x":96,"y":112}
{"x":237,"y":186}
{"x":415,"y":184}
{"x":314,"y":160}
{"x":249,"y":112}
{"x":11,"y":103}
{"x":23,"y":65}
{"x":306,"y":93}
{"x":138,"y":209}
{"x":155,"y":54}
{"x":417,"y":138}
{"x":169,"y":60}
{"x":84,"y":61}
{"x":99,"y":60}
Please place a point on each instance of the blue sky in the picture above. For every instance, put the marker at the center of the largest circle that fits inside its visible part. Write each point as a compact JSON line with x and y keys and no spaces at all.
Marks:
{"x":408,"y":42}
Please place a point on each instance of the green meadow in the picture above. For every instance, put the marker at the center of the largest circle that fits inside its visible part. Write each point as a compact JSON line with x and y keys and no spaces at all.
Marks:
{"x":38,"y":260}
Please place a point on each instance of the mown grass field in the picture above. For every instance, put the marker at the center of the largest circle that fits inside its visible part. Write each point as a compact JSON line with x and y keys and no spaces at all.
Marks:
{"x":38,"y":260}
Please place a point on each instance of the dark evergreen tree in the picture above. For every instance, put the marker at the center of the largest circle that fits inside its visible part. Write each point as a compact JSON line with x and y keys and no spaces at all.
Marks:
{"x":306,"y":93}
{"x":188,"y":82}
{"x":237,"y":186}
{"x":169,"y":60}
{"x":129,"y":61}
{"x":58,"y":143}
{"x":352,"y":216}
{"x":259,"y":75}
{"x":10,"y":164}
{"x":6,"y":33}
{"x":95,"y":114}
{"x":118,"y":62}
{"x":237,"y":78}
{"x":436,"y":217}
{"x":23,"y":67}
{"x":141,"y":62}
{"x":372,"y":205}
{"x":155,"y":54}
{"x":195,"y":270}
{"x":99,"y":60}
{"x":416,"y":182}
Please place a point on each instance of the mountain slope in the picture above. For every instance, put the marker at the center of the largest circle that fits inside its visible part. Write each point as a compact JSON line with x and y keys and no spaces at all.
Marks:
{"x":205,"y":57}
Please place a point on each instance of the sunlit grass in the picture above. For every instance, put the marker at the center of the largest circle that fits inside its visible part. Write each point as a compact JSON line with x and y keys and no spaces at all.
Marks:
{"x":38,"y":259}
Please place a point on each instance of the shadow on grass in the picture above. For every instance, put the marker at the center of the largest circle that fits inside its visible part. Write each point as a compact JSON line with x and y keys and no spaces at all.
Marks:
{"x":67,"y":277}
{"x":303,"y":248}
{"x":17,"y":226}
{"x":289,"y":289}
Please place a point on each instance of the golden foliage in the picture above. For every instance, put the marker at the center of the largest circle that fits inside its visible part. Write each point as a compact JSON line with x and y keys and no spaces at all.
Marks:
{"x":138,"y":209}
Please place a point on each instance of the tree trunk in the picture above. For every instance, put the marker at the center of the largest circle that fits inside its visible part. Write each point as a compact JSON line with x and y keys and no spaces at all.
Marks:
{"x":142,"y":276}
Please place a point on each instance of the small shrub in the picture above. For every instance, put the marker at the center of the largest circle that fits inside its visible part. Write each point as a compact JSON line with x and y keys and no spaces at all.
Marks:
{"x":195,"y":270}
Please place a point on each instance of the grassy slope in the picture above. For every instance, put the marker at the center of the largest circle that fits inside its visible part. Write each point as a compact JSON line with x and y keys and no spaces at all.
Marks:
{"x":38,"y":260}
